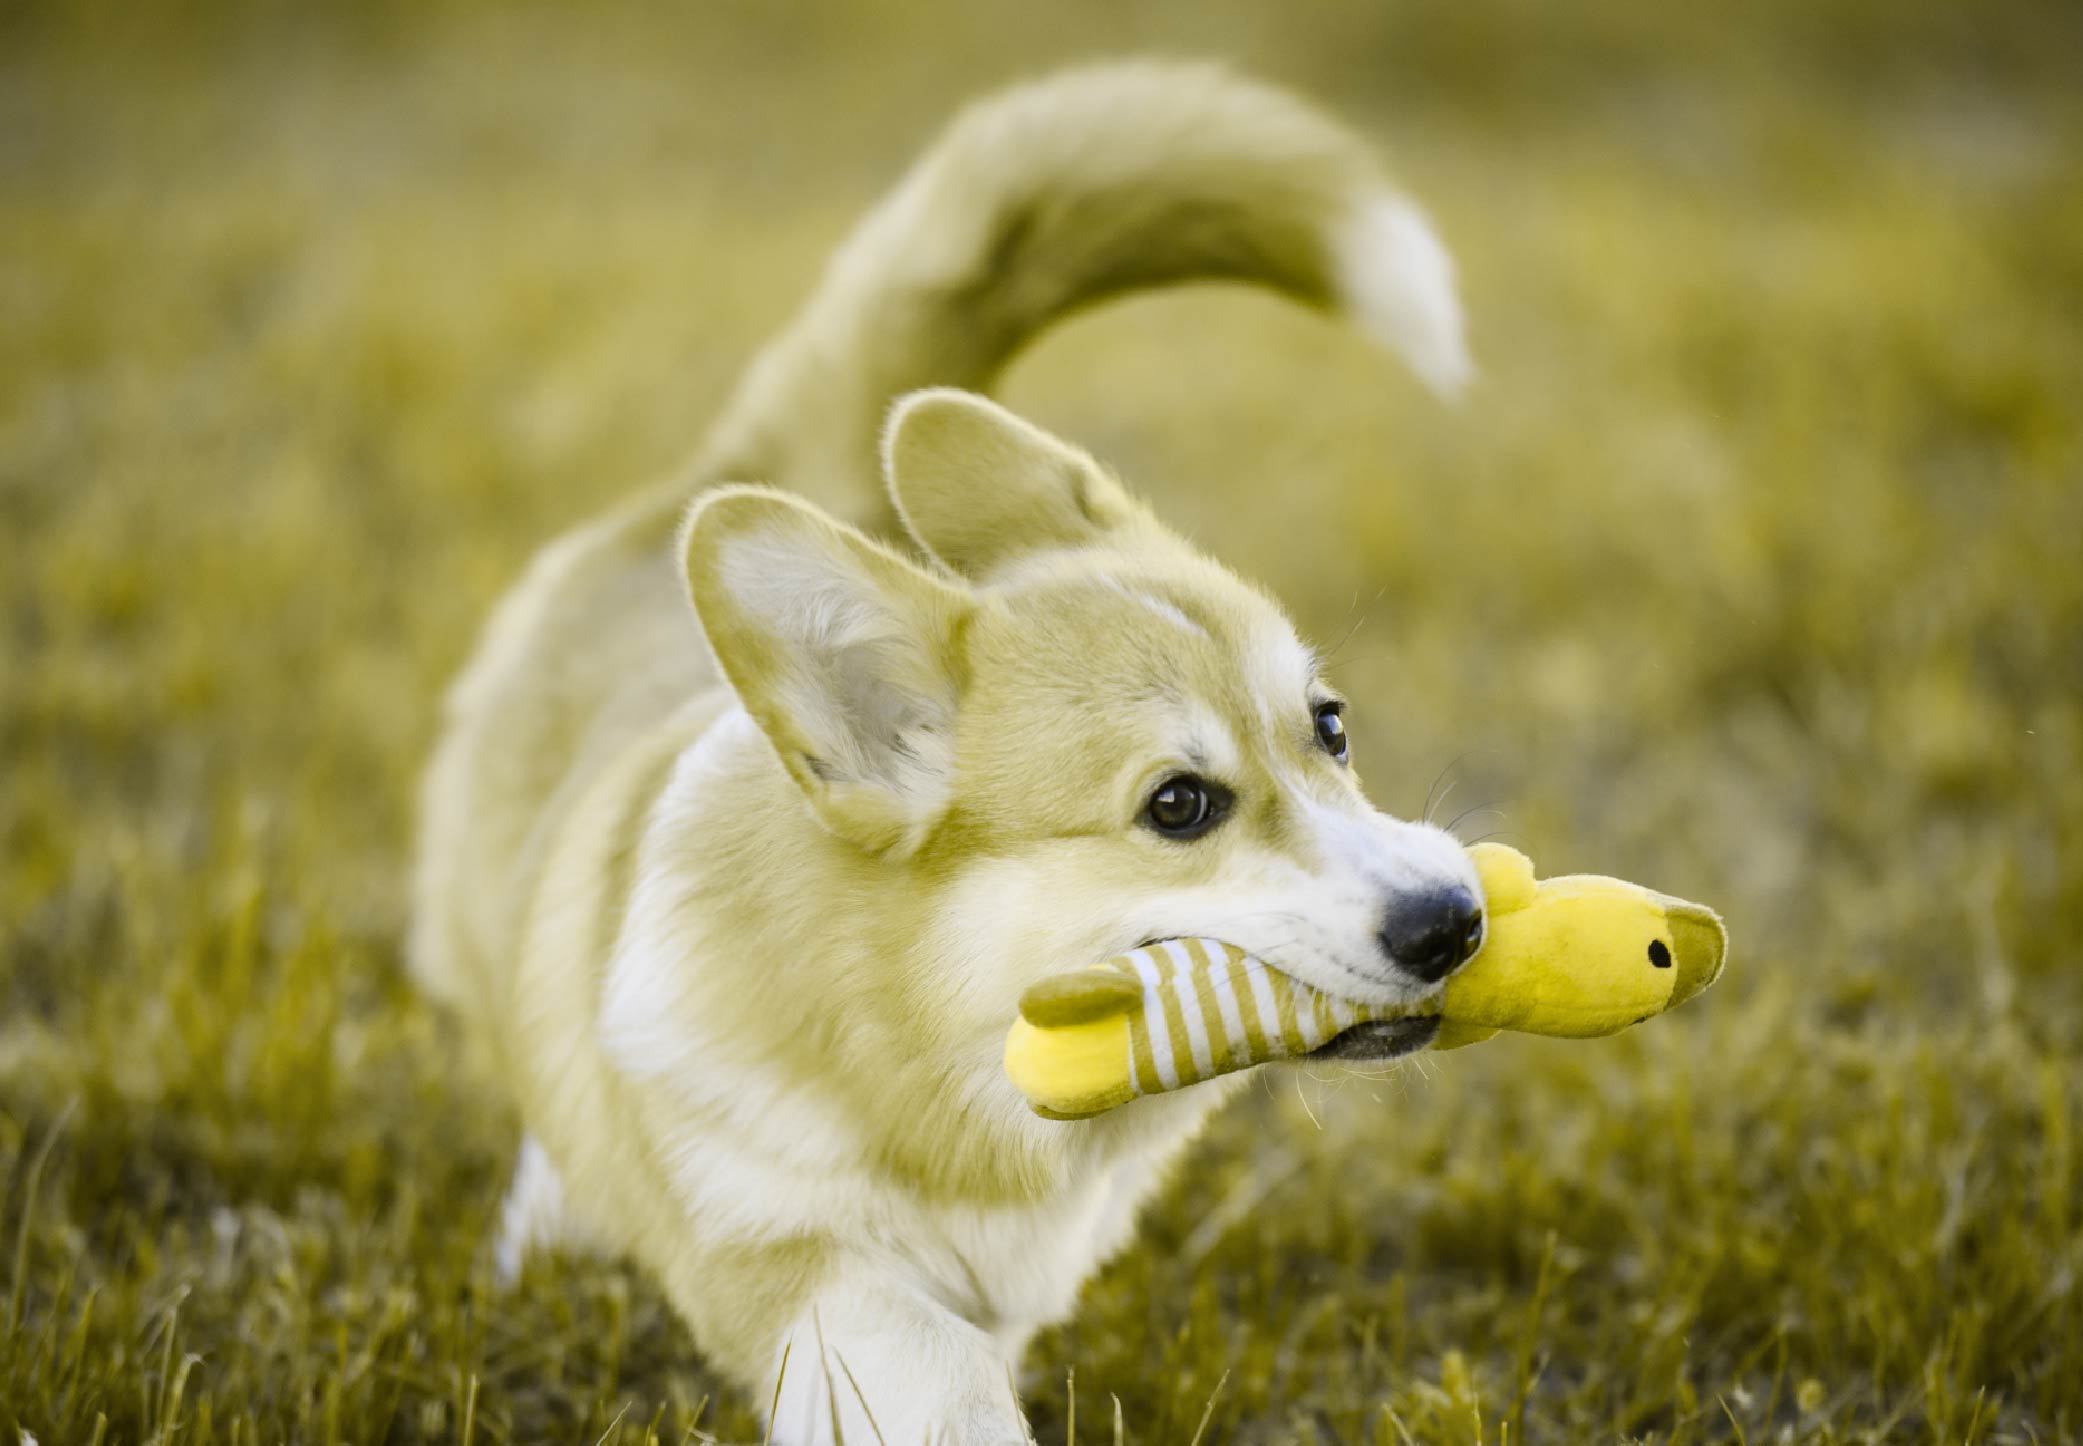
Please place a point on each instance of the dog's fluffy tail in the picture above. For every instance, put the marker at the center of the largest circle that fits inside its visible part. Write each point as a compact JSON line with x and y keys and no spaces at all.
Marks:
{"x":1058,"y":194}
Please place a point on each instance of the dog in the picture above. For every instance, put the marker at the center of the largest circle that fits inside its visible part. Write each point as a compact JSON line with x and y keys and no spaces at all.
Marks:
{"x":738,"y":898}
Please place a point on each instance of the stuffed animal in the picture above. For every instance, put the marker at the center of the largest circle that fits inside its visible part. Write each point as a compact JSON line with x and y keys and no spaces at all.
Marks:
{"x":1576,"y":956}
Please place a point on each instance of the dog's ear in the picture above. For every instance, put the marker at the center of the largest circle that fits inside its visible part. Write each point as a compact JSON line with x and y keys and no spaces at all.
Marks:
{"x":844,"y":653}
{"x":977,"y":486}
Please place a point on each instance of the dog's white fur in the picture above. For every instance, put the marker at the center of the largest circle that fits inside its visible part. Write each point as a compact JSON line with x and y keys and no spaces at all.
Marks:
{"x":740,"y":911}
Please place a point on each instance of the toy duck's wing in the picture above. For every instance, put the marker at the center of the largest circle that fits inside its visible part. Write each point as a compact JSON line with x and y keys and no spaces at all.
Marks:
{"x":1506,"y":876}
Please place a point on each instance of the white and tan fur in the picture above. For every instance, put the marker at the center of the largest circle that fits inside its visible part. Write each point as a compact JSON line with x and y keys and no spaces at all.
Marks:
{"x":739,"y":898}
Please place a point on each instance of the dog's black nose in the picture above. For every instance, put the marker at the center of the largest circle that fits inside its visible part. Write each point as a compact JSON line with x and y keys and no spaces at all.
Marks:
{"x":1433,"y":934}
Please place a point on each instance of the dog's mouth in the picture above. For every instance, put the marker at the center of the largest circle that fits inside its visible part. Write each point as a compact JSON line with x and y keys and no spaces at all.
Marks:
{"x":1380,"y":1039}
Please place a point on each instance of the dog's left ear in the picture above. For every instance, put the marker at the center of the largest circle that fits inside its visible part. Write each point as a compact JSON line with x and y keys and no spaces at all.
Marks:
{"x":977,"y":486}
{"x":844,"y":653}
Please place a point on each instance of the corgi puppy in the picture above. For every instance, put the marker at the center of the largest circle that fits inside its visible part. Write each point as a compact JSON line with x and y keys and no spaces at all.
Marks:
{"x":739,"y":898}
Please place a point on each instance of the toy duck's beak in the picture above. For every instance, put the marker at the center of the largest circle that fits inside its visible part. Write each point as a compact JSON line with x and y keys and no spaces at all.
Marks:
{"x":1701,"y":945}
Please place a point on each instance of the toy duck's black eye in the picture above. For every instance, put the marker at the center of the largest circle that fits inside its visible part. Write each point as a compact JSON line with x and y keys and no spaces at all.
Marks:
{"x":1658,"y":954}
{"x":1330,"y":730}
{"x":1186,"y":807}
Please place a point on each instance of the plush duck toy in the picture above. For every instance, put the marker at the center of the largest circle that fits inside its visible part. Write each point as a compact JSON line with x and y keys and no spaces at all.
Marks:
{"x":1577,"y":956}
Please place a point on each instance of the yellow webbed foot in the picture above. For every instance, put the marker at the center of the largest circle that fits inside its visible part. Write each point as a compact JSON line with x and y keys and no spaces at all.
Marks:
{"x":1069,"y":1051}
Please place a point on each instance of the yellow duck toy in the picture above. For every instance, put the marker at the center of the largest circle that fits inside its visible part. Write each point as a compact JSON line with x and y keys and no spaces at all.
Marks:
{"x":1576,"y":956}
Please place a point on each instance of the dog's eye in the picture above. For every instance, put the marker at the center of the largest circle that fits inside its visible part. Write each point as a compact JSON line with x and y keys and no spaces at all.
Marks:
{"x":1186,"y":807}
{"x":1330,"y":730}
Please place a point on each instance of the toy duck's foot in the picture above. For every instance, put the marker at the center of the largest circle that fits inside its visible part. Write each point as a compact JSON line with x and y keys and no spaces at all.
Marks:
{"x":1380,"y":1039}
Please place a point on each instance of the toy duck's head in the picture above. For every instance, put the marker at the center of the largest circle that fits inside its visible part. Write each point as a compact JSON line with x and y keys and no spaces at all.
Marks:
{"x":1577,"y":956}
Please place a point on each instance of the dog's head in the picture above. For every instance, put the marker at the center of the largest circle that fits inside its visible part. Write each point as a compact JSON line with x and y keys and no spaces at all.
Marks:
{"x":1078,"y":735}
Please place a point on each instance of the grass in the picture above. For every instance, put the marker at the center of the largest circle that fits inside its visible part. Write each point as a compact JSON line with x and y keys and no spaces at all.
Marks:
{"x":1751,"y":572}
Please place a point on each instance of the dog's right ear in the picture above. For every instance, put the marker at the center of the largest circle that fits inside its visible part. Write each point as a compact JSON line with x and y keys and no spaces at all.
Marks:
{"x":846,"y":655}
{"x":978,"y":486}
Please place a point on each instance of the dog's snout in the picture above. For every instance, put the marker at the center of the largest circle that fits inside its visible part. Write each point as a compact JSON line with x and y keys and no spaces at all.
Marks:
{"x":1430,"y":935}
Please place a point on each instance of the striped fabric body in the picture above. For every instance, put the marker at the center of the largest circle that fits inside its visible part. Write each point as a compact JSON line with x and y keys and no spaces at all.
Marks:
{"x":1210,"y":1008}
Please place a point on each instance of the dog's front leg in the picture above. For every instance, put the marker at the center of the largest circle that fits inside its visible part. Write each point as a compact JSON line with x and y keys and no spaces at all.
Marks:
{"x":873,"y":1359}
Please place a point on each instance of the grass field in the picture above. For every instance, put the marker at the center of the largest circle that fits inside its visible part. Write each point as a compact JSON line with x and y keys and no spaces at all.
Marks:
{"x":1752,"y":570}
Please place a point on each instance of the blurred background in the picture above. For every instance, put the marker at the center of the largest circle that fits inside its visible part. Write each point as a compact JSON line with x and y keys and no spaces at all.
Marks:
{"x":1750,"y":569}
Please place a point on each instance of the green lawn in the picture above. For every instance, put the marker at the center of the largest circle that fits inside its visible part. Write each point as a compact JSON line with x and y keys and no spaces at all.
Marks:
{"x":1751,"y":571}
